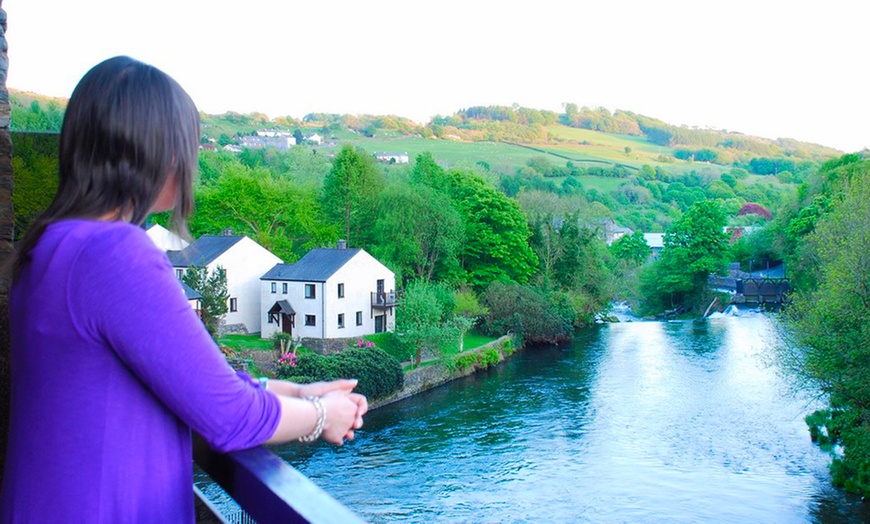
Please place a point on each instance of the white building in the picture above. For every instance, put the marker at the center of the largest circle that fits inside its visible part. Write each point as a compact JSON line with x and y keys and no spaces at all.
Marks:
{"x":656,"y":242}
{"x":164,"y":239}
{"x":328,"y":294}
{"x":392,"y":158}
{"x":314,"y":138}
{"x":244,"y":261}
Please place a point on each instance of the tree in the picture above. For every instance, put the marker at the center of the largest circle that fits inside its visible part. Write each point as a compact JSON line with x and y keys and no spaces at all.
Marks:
{"x":830,"y":322}
{"x":496,"y":233}
{"x":421,"y":320}
{"x":212,"y":285}
{"x":694,"y":247}
{"x":631,"y":248}
{"x":350,"y":193}
{"x":419,"y":233}
{"x":526,"y":311}
{"x":276,"y":213}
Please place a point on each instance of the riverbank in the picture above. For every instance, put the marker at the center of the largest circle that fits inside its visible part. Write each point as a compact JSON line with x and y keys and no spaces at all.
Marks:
{"x":430,"y":374}
{"x":435,"y":373}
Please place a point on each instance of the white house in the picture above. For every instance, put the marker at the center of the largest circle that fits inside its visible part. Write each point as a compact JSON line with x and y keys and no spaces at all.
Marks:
{"x":329,"y":294}
{"x":193,"y":298}
{"x":613,"y":232}
{"x":281,"y":142}
{"x":656,"y":242}
{"x":164,"y":239}
{"x":313,"y":138}
{"x":244,"y":261}
{"x":392,"y":158}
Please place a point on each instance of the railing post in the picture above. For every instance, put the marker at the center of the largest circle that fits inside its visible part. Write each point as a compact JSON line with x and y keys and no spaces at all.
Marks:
{"x":269,"y":489}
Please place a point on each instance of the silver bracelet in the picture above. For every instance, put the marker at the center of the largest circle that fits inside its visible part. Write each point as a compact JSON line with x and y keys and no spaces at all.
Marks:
{"x":321,"y":420}
{"x":264,"y":382}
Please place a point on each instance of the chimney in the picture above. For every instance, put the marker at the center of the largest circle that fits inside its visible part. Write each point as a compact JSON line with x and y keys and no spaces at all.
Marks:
{"x":341,"y":244}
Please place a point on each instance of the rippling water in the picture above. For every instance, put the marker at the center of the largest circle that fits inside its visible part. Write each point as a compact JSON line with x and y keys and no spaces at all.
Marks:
{"x":635,"y":422}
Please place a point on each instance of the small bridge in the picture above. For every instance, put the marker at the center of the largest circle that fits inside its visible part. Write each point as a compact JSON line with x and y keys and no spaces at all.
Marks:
{"x":754,"y":291}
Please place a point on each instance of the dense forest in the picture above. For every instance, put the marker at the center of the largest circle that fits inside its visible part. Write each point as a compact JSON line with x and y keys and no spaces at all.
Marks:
{"x":523,"y":246}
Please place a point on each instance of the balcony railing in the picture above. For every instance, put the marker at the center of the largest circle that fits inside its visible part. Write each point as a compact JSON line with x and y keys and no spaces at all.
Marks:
{"x":382,"y":299}
{"x":267,"y":488}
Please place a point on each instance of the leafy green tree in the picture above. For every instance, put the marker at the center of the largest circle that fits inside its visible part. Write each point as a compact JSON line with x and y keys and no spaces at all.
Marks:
{"x":350,"y":193}
{"x":694,"y":247}
{"x":527,"y":311}
{"x":631,"y":248}
{"x":830,"y":322}
{"x":212,"y":285}
{"x":496,"y":233}
{"x":276,"y":213}
{"x":422,"y":319}
{"x":418,"y":233}
{"x":35,"y":167}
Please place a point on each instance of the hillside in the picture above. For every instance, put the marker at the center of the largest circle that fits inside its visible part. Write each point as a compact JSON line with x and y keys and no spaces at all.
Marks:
{"x":580,"y":135}
{"x":635,"y":169}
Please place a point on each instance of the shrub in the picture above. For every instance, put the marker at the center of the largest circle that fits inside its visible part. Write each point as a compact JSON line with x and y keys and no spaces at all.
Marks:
{"x":526,"y":311}
{"x":378,"y":373}
{"x":393,"y":344}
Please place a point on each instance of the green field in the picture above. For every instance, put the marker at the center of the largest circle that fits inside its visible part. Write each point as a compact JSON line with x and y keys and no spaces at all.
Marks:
{"x":580,"y":146}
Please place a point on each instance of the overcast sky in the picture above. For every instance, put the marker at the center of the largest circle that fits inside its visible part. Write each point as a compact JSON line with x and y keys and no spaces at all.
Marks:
{"x":770,"y":68}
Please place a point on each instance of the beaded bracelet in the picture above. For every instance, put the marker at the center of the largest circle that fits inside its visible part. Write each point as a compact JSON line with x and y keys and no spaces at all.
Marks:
{"x":321,"y":420}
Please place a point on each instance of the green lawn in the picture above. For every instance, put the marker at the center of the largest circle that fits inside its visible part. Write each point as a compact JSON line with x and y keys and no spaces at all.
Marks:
{"x":470,"y":341}
{"x":245,"y":342}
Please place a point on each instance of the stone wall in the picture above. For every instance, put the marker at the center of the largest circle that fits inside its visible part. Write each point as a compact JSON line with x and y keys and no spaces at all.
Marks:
{"x":6,"y":237}
{"x":329,"y":346}
{"x":434,"y":375}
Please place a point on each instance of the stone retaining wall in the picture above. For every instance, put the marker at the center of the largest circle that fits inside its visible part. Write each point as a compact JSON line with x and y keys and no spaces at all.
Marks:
{"x":434,"y":375}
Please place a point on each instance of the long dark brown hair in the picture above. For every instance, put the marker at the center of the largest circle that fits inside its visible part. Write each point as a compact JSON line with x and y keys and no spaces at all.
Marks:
{"x":128,"y":127}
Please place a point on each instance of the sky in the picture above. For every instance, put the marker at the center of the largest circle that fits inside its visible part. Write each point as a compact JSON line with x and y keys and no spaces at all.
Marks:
{"x":770,"y":68}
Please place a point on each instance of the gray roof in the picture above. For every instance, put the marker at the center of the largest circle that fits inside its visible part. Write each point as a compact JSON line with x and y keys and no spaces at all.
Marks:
{"x":282,"y":306}
{"x":316,"y":266}
{"x":202,"y":251}
{"x":189,"y":292}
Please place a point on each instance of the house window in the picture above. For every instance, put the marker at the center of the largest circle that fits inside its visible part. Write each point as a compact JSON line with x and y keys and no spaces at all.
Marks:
{"x":269,"y":319}
{"x":340,"y":320}
{"x":310,"y":320}
{"x":274,"y":287}
{"x":179,"y":274}
{"x":234,"y":304}
{"x":341,"y":291}
{"x":359,"y":318}
{"x":284,"y":288}
{"x":309,"y":291}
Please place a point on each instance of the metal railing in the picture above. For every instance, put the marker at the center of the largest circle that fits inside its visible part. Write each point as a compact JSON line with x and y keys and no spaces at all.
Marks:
{"x":269,"y":489}
{"x":384,"y":299}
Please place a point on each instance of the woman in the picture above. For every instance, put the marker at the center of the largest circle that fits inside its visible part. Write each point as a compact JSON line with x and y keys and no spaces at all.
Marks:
{"x":111,"y":369}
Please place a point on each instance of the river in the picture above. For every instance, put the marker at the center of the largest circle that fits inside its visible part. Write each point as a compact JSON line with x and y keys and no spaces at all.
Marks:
{"x":634,"y":422}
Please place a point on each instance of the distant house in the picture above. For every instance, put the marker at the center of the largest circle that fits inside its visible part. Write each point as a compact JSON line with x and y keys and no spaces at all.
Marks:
{"x":656,"y":242}
{"x":164,"y":239}
{"x":392,"y":158}
{"x":314,"y":138}
{"x":613,"y":232}
{"x":329,"y":294}
{"x":280,"y":142}
{"x":193,"y":298}
{"x":244,"y":261}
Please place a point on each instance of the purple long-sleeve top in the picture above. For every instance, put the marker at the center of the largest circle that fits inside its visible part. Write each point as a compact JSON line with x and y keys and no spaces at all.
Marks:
{"x":111,"y":368}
